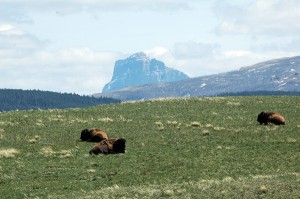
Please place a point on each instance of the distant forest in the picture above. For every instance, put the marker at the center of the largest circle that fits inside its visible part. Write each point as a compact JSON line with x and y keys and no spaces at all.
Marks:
{"x":15,"y":99}
{"x":262,"y":93}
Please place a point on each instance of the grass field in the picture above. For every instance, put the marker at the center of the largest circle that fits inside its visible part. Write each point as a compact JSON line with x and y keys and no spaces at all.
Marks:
{"x":176,"y":148}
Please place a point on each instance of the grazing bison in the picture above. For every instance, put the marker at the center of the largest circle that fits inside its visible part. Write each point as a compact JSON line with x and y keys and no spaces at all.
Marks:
{"x":93,"y":135}
{"x":109,"y":146}
{"x":270,"y":117}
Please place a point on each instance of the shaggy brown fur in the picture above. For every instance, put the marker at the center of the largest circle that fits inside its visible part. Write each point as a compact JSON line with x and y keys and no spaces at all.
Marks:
{"x":93,"y":135}
{"x":109,"y":146}
{"x":270,"y":117}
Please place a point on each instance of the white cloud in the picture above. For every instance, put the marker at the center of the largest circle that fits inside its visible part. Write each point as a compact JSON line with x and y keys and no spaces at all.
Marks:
{"x":267,"y":17}
{"x":14,"y":41}
{"x":204,"y":61}
{"x":156,"y":52}
{"x":79,"y":70}
{"x":8,"y":29}
{"x":25,"y":63}
{"x":236,"y":53}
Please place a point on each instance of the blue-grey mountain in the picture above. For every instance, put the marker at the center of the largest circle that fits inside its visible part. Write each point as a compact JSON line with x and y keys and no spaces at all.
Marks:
{"x":139,"y":69}
{"x":274,"y":75}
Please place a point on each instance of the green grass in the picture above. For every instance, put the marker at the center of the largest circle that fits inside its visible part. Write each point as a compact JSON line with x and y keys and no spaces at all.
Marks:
{"x":176,"y":148}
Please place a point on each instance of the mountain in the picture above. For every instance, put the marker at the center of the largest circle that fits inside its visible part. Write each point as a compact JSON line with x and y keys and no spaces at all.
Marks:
{"x":139,"y":69}
{"x":274,"y":75}
{"x":16,"y":99}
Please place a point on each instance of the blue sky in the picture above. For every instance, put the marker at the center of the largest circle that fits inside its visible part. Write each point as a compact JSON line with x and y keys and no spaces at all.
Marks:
{"x":72,"y":45}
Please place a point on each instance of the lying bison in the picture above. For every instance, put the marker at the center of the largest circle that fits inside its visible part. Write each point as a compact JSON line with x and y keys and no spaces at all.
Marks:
{"x":270,"y":117}
{"x":93,"y":135}
{"x":109,"y":146}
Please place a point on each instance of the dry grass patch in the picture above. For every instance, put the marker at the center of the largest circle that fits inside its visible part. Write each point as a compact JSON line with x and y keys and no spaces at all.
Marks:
{"x":218,"y":128}
{"x":205,"y":132}
{"x":2,"y":131}
{"x":77,"y":120}
{"x":64,"y":154}
{"x":209,"y":125}
{"x":269,"y":186}
{"x":195,"y":124}
{"x":160,"y":126}
{"x":291,"y":140}
{"x":166,"y":99}
{"x":8,"y":123}
{"x":39,"y":122}
{"x":232,"y":103}
{"x":174,"y":123}
{"x":122,"y":119}
{"x":9,"y":153}
{"x":49,"y":152}
{"x":56,"y":118}
{"x":91,"y":170}
{"x":35,"y":139}
{"x":105,"y":119}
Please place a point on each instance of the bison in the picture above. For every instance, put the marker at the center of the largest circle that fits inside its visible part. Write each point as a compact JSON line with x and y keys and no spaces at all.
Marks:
{"x":270,"y":117}
{"x":93,"y":135}
{"x":109,"y":146}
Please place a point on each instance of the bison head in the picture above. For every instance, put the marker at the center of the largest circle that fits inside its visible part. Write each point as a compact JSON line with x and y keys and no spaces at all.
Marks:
{"x":262,"y":118}
{"x":119,"y":146}
{"x":85,"y":135}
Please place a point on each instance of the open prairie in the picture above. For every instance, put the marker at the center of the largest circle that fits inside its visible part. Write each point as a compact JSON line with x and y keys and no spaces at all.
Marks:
{"x":176,"y":148}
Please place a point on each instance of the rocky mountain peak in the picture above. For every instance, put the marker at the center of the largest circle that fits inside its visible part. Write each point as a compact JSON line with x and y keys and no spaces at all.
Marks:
{"x":139,"y":56}
{"x":138,"y":69}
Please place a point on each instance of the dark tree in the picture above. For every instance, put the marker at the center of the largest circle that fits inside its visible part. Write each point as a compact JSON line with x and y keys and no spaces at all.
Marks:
{"x":13,"y":99}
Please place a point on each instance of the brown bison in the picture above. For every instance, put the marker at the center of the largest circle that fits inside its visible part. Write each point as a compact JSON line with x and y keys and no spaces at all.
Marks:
{"x":93,"y":135}
{"x":109,"y":146}
{"x":270,"y":117}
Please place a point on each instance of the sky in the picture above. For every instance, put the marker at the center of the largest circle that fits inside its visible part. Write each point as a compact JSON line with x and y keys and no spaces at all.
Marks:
{"x":71,"y":45}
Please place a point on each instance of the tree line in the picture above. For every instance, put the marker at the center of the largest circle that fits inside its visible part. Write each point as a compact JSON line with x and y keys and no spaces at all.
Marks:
{"x":17,"y":99}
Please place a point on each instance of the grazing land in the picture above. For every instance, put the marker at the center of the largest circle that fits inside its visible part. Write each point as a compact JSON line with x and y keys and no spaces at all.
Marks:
{"x":176,"y":148}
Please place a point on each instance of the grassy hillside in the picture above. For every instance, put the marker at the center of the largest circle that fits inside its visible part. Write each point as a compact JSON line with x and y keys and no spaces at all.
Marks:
{"x":179,"y":148}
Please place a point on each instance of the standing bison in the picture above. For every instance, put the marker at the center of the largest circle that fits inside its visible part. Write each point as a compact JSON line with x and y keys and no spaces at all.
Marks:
{"x":270,"y":117}
{"x":109,"y":146}
{"x":93,"y":135}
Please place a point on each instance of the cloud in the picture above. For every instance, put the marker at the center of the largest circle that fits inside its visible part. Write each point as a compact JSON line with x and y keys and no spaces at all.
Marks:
{"x":216,"y":59}
{"x":156,"y":51}
{"x":24,"y":64}
{"x":8,"y":29}
{"x":194,"y":50}
{"x":59,"y":71}
{"x":261,"y":17}
{"x":194,"y":58}
{"x":237,"y":53}
{"x":228,"y":27}
{"x":19,"y":11}
{"x":15,"y":42}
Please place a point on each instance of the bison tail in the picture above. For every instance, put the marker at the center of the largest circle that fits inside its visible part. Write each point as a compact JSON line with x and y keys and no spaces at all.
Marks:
{"x":119,"y":146}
